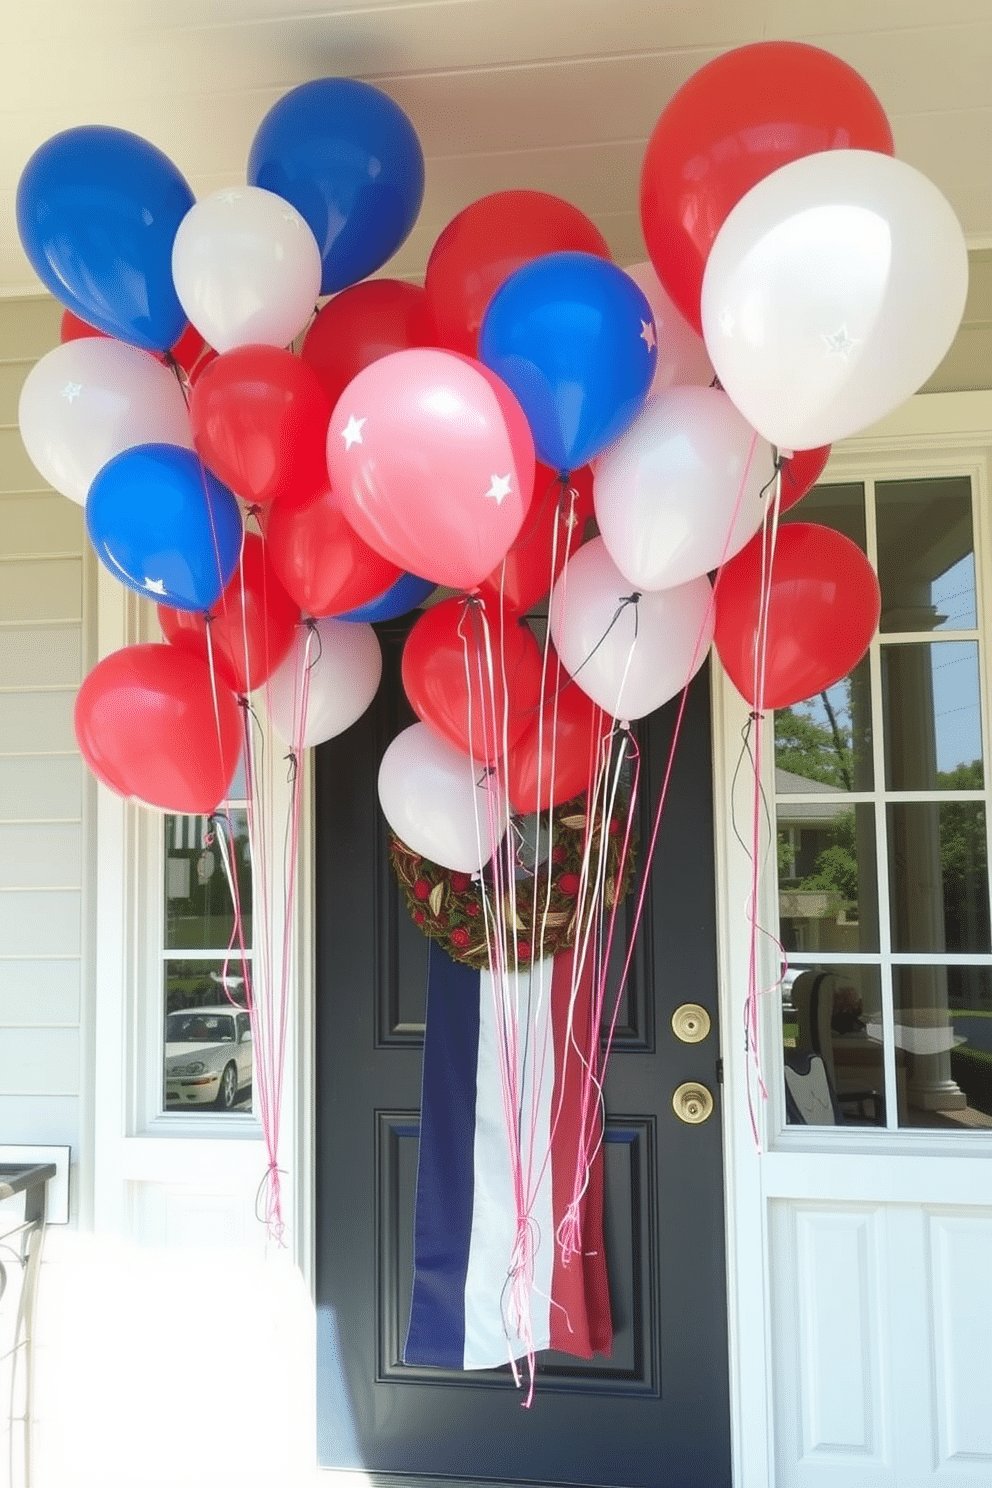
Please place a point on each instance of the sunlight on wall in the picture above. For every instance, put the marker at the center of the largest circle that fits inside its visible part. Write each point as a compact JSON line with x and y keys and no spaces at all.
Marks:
{"x":158,"y":1367}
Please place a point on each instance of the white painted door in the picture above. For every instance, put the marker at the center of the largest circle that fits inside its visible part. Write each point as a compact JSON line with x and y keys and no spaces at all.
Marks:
{"x":861,"y":1257}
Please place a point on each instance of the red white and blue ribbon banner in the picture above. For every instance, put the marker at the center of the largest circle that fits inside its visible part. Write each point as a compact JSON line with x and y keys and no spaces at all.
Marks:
{"x":466,"y":1249}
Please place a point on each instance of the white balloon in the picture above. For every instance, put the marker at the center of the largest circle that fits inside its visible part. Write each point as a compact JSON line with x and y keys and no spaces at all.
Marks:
{"x":831,"y":293}
{"x":681,"y":358}
{"x":246,"y":268}
{"x":343,"y":665}
{"x":629,"y":654}
{"x":91,"y":399}
{"x":439,"y":802}
{"x":681,"y":490}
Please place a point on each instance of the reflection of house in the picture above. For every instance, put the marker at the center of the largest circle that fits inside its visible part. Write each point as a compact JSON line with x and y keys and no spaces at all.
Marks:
{"x":857,"y":1299}
{"x":807,"y":825}
{"x":821,"y":918}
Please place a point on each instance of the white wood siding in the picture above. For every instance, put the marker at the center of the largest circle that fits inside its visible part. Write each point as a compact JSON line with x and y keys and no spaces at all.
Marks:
{"x":41,"y":775}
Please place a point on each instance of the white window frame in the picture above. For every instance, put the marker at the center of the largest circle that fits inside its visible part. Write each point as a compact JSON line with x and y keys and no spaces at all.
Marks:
{"x":929,"y":460}
{"x":135,"y":1142}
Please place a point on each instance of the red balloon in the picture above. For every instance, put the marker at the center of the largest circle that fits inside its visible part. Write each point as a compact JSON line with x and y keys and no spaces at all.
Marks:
{"x":251,"y":626}
{"x":150,"y":724}
{"x":362,"y":324}
{"x":200,"y":365}
{"x":735,"y":121}
{"x":459,"y":636}
{"x":321,"y":560}
{"x":188,"y":350}
{"x":823,"y":609}
{"x":259,"y":418}
{"x":554,"y":761}
{"x":800,"y":473}
{"x":489,"y":241}
{"x":525,"y":575}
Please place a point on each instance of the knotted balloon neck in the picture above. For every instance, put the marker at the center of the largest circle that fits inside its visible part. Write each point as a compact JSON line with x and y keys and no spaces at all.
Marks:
{"x":181,"y":375}
{"x":626,"y":600}
{"x":314,"y":645}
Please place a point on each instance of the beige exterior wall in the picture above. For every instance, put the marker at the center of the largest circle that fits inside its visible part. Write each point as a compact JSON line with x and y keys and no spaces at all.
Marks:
{"x":43,"y":785}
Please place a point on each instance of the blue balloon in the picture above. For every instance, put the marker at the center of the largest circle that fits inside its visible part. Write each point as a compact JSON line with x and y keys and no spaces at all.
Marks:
{"x":349,"y":160}
{"x":164,"y":526}
{"x":573,"y":338}
{"x":406,"y":594}
{"x":97,"y":213}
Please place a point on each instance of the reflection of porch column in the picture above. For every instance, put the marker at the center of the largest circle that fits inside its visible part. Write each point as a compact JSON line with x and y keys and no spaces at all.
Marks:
{"x":917,"y":890}
{"x":864,"y":821}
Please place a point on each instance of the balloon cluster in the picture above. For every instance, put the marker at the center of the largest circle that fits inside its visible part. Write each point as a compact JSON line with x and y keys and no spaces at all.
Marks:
{"x":533,"y":421}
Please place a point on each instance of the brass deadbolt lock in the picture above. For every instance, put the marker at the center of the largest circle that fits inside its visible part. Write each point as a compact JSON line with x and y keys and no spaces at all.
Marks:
{"x":691,"y":1023}
{"x":692,"y":1103}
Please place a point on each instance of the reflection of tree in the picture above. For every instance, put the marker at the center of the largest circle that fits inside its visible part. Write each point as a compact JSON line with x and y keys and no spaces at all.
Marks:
{"x":821,"y":752}
{"x":806,"y":748}
{"x":963,"y":860}
{"x":836,"y":866}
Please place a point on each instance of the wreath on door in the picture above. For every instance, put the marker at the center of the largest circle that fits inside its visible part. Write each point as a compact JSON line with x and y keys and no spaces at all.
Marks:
{"x":542,"y":918}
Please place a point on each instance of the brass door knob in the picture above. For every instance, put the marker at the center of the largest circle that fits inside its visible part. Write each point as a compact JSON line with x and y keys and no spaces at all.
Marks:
{"x":691,"y":1023}
{"x":692,"y":1103}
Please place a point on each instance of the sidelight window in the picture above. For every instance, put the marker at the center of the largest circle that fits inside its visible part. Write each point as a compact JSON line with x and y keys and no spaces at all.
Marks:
{"x":207,"y":1065}
{"x":881,"y":790}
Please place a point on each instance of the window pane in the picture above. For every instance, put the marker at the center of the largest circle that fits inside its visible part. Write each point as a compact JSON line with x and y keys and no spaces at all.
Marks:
{"x":827,"y":881}
{"x":208,"y":1052}
{"x":933,"y":731}
{"x":826,"y":739}
{"x":239,"y":786}
{"x":841,"y":507}
{"x":938,"y":878}
{"x":832,"y":1015}
{"x":198,"y":910}
{"x":944,"y":1045}
{"x":926,"y":563}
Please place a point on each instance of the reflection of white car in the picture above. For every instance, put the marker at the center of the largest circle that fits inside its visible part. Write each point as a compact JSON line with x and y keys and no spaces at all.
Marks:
{"x":207,"y":1057}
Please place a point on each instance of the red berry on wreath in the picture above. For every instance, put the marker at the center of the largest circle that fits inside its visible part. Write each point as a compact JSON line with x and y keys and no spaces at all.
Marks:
{"x":569,"y":884}
{"x":460,"y":882}
{"x":460,"y":937}
{"x":422,"y":888}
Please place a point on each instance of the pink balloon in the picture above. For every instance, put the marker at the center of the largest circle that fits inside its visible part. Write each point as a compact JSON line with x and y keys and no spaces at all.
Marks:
{"x":682,"y":359}
{"x":432,"y":460}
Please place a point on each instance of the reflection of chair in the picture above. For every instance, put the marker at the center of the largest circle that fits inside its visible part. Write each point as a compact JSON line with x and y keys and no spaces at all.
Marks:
{"x":809,"y":1096}
{"x":814,"y":994}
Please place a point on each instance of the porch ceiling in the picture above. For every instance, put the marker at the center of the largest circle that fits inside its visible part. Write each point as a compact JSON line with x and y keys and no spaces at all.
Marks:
{"x":558,"y":95}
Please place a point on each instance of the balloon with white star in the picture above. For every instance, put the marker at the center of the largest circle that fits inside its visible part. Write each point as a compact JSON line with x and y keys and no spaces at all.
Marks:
{"x":574,"y":338}
{"x":246,"y":268}
{"x":681,"y":358}
{"x":831,"y":294}
{"x":432,"y":461}
{"x":164,"y":526}
{"x":87,"y":401}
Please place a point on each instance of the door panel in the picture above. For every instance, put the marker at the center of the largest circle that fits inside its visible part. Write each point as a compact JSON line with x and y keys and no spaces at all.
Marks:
{"x":656,"y":1412}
